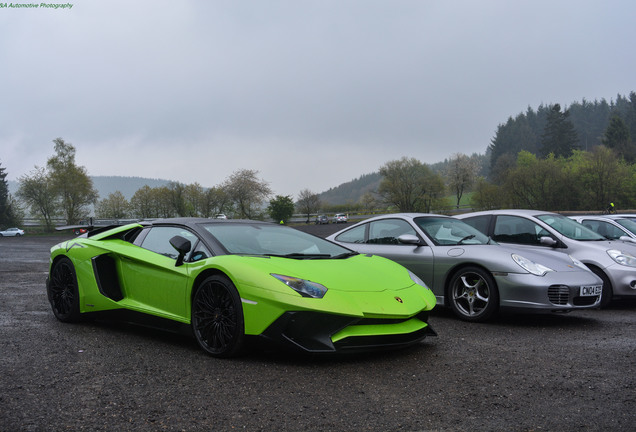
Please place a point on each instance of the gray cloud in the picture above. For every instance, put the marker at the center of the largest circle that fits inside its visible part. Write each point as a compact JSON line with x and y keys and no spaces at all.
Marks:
{"x":310,"y":94}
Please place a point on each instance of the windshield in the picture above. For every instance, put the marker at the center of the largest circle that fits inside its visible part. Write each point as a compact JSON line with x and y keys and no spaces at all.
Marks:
{"x":445,"y":231}
{"x":273,"y":240}
{"x":570,"y":228}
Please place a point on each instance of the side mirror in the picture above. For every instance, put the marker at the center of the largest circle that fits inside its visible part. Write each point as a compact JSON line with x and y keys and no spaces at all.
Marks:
{"x":409,"y":239}
{"x":548,"y":241}
{"x":627,"y":239}
{"x":182,"y":246}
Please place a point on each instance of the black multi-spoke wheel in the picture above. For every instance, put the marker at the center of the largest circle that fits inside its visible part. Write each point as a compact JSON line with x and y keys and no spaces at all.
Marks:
{"x":473,"y":295}
{"x":62,"y":291}
{"x":217,"y":317}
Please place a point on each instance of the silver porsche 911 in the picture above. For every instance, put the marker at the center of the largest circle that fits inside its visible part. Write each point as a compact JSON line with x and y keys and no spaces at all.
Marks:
{"x":469,"y":272}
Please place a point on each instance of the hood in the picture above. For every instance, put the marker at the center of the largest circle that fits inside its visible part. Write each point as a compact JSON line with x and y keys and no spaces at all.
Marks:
{"x":369,"y":273}
{"x":557,"y":261}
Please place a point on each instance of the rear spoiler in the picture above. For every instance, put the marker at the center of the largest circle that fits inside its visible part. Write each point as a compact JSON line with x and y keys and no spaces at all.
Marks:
{"x":95,"y":227}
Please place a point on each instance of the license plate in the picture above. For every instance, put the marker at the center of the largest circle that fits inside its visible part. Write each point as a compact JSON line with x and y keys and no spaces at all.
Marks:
{"x":595,"y":290}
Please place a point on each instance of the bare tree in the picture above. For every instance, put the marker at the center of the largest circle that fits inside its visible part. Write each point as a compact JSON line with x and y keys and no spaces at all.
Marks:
{"x":37,"y":192}
{"x":114,"y":206}
{"x":461,"y":174}
{"x":70,"y":182}
{"x":410,"y":185}
{"x":142,"y":203}
{"x":247,"y":193}
{"x":308,"y":203}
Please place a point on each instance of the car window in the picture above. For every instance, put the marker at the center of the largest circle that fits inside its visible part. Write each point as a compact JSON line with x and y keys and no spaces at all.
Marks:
{"x":272,"y":239}
{"x":603,"y":228}
{"x":479,"y":222}
{"x":158,"y":240}
{"x":628,"y":224}
{"x":570,"y":228}
{"x":446,"y":231}
{"x":387,"y":231}
{"x":199,"y":252}
{"x":519,"y":230}
{"x":354,"y":235}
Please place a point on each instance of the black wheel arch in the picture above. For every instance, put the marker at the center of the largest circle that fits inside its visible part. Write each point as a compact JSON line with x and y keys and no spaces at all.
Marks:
{"x":203,"y":276}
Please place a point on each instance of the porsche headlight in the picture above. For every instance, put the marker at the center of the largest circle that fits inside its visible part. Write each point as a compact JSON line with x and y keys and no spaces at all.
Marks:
{"x":622,"y":258}
{"x":417,"y":280}
{"x":303,"y":287}
{"x":531,"y":266}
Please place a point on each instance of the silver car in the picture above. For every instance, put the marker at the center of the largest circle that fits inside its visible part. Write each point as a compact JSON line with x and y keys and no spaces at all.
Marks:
{"x":471,"y":274}
{"x":613,"y":261}
{"x":12,"y":232}
{"x":612,"y":227}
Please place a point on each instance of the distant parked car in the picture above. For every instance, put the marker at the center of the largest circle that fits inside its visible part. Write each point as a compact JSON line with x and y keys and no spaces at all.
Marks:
{"x":613,"y":261}
{"x":340,"y":218}
{"x":12,"y":232}
{"x":79,"y":230}
{"x":220,"y":216}
{"x":471,"y":274}
{"x":612,"y":227}
{"x":322,"y":219}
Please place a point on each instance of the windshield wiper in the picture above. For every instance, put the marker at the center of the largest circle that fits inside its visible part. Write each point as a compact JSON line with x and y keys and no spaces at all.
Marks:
{"x":345,"y":255}
{"x":468,"y":237}
{"x":296,"y":255}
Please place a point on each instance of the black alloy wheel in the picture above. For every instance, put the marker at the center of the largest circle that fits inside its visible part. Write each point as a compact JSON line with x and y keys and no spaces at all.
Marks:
{"x":217,"y":317}
{"x":63,"y":292}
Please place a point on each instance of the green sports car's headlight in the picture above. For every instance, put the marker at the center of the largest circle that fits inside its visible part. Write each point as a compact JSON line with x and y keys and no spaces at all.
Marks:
{"x":531,"y":266}
{"x":303,"y":287}
{"x":623,"y":258}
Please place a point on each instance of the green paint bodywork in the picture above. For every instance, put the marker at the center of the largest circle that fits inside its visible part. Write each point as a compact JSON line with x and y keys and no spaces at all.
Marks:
{"x":358,"y":286}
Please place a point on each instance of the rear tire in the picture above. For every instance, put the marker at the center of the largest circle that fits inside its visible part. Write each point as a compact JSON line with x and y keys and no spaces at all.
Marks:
{"x":63,"y":292}
{"x":217,"y":317}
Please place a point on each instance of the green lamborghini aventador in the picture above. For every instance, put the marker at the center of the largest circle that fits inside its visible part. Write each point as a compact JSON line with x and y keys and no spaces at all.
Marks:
{"x":230,"y":280}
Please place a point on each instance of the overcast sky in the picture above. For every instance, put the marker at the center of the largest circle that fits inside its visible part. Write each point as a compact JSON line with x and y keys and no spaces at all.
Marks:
{"x":311,"y":94}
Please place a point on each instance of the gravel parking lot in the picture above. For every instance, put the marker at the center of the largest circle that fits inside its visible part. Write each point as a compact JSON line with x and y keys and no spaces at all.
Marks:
{"x":573,"y":372}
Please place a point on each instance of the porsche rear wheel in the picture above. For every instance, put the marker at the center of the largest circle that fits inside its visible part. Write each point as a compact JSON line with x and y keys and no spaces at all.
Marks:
{"x":473,"y":295}
{"x":63,"y":292}
{"x":217,"y":317}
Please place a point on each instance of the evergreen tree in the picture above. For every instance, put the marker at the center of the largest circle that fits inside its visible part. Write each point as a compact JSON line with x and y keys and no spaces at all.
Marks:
{"x":7,"y":214}
{"x":617,"y":138}
{"x":281,"y":208}
{"x":559,"y":136}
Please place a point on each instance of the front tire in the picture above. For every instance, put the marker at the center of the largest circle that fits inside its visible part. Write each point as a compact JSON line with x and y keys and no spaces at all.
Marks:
{"x":217,"y":317}
{"x":608,"y":292}
{"x":473,"y":294}
{"x":63,"y":292}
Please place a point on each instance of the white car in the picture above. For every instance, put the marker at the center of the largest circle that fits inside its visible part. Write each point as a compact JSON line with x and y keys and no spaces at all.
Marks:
{"x":340,"y":218}
{"x":12,"y":232}
{"x":612,"y":227}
